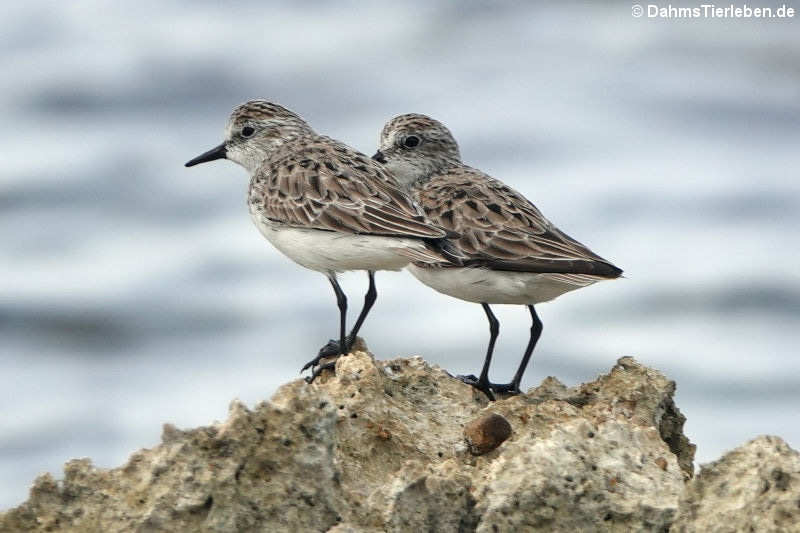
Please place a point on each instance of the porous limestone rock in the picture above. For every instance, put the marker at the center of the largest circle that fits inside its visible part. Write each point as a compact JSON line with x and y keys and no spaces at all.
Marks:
{"x":756,"y":487}
{"x":379,"y":446}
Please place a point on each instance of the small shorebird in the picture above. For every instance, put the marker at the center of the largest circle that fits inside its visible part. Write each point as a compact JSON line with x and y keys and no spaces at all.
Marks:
{"x":326,"y":206}
{"x":513,"y":255}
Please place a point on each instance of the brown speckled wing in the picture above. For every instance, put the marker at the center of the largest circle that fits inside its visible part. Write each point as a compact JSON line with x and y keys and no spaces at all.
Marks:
{"x":501,"y":229}
{"x":323,"y":184}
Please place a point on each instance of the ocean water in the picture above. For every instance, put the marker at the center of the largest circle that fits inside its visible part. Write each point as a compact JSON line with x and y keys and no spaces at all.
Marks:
{"x":134,"y":291}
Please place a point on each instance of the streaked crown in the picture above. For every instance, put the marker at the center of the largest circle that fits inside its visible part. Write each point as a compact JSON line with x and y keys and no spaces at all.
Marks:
{"x":262,"y":110}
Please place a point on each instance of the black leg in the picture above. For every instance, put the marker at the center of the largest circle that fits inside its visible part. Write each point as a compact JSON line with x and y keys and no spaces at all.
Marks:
{"x":333,"y":348}
{"x":494,"y":330}
{"x":341,"y":302}
{"x":536,"y":331}
{"x":369,"y":301}
{"x":482,"y":383}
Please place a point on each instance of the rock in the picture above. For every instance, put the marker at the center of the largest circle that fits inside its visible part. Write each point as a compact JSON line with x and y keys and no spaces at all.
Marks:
{"x":587,"y":458}
{"x":756,"y":487}
{"x":380,"y":447}
{"x":486,"y":433}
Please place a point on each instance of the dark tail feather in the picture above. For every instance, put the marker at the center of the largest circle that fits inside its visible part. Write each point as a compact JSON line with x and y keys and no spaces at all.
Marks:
{"x":551,"y":266}
{"x":611,"y":271}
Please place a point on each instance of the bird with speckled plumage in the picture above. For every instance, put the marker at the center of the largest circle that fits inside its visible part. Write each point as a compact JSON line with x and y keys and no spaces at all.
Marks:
{"x":325,"y":205}
{"x":511,"y":253}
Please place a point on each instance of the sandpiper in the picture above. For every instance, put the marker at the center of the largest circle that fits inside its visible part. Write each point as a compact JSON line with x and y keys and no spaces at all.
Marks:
{"x":513,"y":254}
{"x":326,"y":206}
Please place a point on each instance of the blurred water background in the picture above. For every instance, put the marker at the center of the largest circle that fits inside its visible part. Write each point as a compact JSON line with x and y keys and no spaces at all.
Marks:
{"x":134,"y":291}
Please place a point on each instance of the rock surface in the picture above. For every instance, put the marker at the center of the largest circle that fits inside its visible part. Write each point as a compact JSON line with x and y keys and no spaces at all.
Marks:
{"x":380,"y":446}
{"x":753,"y":488}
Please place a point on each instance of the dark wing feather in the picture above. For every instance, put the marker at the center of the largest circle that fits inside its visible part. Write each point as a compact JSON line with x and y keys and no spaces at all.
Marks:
{"x":324,"y":184}
{"x":501,"y":229}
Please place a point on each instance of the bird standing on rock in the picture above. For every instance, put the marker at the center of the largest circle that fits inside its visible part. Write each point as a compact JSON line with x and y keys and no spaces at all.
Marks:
{"x":513,"y":254}
{"x":326,"y":206}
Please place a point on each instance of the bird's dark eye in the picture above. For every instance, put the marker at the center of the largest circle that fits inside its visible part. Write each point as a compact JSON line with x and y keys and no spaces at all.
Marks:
{"x":411,"y":141}
{"x":247,"y":131}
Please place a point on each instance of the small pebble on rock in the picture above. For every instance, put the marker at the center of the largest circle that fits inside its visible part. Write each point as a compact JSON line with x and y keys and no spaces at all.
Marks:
{"x":486,"y":433}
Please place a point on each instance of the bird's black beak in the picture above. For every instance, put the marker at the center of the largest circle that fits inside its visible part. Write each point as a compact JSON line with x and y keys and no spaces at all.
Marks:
{"x":218,"y":152}
{"x":379,"y":157}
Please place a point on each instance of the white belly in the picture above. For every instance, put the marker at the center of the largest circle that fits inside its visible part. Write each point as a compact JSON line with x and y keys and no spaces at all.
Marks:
{"x":330,"y":251}
{"x":482,"y":285}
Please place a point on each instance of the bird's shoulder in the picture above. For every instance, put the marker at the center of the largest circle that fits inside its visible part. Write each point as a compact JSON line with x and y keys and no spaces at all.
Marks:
{"x":324,"y":167}
{"x":472,"y":198}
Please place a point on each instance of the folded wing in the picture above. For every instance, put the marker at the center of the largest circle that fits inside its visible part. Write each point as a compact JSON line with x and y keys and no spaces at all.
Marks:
{"x":328,"y":186}
{"x":500,"y":229}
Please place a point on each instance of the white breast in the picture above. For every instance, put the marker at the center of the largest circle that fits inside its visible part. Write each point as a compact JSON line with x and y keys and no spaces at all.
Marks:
{"x":331,"y":251}
{"x":483,"y":285}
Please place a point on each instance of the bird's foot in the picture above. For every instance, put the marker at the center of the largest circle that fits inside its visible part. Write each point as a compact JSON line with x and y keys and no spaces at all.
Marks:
{"x":511,"y":389}
{"x":331,"y":349}
{"x":483,"y":386}
{"x":319,"y":370}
